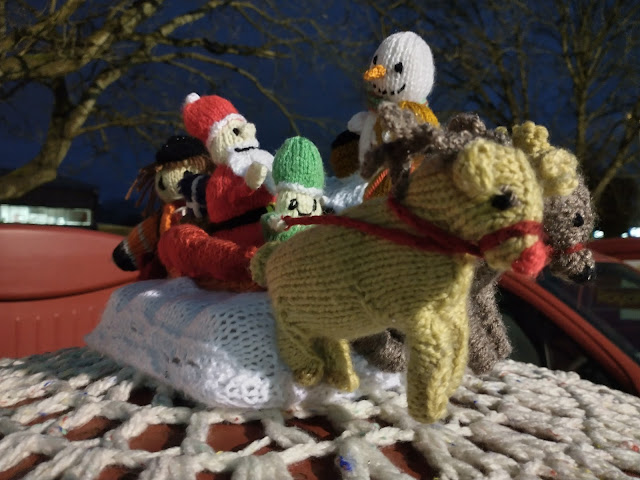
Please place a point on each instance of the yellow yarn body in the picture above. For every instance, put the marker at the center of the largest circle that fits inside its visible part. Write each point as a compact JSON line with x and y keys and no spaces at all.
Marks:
{"x":331,"y":284}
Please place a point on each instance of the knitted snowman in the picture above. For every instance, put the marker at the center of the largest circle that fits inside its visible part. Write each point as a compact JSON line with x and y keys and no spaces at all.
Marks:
{"x":401,"y":71}
{"x":180,"y":155}
{"x":232,"y":199}
{"x":298,"y":175}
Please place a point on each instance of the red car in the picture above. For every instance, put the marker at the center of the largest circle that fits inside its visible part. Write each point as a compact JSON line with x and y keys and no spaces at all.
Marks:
{"x":592,"y":329}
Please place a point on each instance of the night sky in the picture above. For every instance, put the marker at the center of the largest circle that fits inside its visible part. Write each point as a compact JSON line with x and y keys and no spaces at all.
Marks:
{"x":311,"y":87}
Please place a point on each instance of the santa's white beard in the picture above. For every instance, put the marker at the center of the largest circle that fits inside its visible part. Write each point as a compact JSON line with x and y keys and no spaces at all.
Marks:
{"x":241,"y":156}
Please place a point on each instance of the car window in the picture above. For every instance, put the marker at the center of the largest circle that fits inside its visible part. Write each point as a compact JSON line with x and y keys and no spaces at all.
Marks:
{"x":537,"y":339}
{"x":611,"y":303}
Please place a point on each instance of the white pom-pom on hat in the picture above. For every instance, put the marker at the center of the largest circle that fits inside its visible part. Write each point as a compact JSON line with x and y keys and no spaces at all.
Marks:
{"x":192,"y":97}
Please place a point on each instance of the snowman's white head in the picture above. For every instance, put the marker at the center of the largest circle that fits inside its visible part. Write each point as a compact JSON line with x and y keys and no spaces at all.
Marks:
{"x":401,"y":69}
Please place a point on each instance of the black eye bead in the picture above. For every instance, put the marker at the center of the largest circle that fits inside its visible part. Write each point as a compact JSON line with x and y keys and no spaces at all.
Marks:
{"x":504,"y":201}
{"x":578,"y":221}
{"x":161,"y":185}
{"x":398,"y":67}
{"x":293,"y":204}
{"x":236,"y":131}
{"x":315,"y":205}
{"x":375,"y":59}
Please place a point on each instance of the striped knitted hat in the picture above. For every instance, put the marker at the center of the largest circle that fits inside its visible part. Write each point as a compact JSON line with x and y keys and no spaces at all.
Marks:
{"x":297,"y":166}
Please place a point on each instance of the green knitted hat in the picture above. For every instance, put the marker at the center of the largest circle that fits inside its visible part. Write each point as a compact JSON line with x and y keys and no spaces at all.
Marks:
{"x":297,"y":166}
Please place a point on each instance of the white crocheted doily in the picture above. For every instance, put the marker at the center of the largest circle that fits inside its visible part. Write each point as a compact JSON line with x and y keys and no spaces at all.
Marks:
{"x":520,"y":422}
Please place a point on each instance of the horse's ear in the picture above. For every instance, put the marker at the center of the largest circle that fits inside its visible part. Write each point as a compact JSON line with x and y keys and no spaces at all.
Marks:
{"x":532,"y":139}
{"x":557,"y":171}
{"x":472,"y":172}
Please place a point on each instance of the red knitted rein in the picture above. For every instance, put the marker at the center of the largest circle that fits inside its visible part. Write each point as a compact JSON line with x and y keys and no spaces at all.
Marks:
{"x":431,"y":238}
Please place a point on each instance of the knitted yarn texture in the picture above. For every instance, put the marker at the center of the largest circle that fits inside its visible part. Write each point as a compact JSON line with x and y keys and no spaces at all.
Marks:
{"x":324,"y":281}
{"x":180,"y":155}
{"x":218,"y":347}
{"x":297,"y":166}
{"x":520,"y":421}
{"x":298,"y":174}
{"x":401,"y":71}
{"x":204,"y":117}
{"x":216,"y":252}
{"x":568,"y":222}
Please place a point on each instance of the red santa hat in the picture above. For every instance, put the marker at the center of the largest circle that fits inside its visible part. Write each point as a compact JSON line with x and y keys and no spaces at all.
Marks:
{"x":204,"y":116}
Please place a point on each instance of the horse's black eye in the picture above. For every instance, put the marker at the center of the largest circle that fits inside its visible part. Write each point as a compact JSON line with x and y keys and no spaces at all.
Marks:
{"x":236,"y":131}
{"x":315,"y":205}
{"x":375,"y":59}
{"x":161,"y":185}
{"x":398,"y":67}
{"x":293,"y":204}
{"x":578,"y":221}
{"x":504,"y":201}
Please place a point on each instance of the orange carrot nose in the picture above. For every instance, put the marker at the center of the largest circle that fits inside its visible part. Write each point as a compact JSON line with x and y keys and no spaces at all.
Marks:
{"x":376,"y":72}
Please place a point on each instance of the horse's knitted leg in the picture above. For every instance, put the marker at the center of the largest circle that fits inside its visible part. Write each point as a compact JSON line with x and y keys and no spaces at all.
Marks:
{"x":431,"y":366}
{"x":384,"y":350}
{"x":459,"y":344}
{"x":482,"y":352}
{"x":488,"y":338}
{"x":297,"y":351}
{"x":339,"y":369}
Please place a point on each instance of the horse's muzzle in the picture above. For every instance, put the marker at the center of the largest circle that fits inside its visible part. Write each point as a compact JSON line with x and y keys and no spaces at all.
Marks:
{"x":532,"y":259}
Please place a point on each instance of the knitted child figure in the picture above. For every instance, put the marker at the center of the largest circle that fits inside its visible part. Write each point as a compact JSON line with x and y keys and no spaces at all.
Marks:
{"x":298,"y":174}
{"x":180,"y":155}
{"x":233,"y":198}
{"x":401,"y":71}
{"x":406,"y":260}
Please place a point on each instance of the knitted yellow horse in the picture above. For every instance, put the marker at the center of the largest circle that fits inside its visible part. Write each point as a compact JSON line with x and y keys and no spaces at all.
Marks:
{"x":371,"y":270}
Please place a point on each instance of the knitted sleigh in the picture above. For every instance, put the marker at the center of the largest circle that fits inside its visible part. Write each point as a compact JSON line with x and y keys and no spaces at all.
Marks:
{"x":221,"y":348}
{"x":217,"y":347}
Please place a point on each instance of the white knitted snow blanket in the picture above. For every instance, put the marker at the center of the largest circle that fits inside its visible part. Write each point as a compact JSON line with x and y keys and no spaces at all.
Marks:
{"x":217,"y":347}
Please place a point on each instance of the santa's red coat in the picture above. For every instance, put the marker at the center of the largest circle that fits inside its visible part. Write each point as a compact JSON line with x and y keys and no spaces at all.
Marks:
{"x":222,"y":258}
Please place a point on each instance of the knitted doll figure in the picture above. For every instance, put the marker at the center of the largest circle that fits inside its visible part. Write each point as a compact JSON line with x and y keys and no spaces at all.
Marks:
{"x":232,"y":198}
{"x":180,"y":155}
{"x":298,"y":174}
{"x":401,"y":71}
{"x":404,"y":262}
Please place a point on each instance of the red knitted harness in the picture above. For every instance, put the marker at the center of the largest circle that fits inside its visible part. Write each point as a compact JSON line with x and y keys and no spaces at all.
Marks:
{"x":573,"y":249}
{"x":429,"y":237}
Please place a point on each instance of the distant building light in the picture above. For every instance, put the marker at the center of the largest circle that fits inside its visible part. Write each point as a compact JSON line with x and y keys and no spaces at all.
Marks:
{"x":598,"y":234}
{"x":37,"y":215}
{"x":634,"y":232}
{"x":625,"y":235}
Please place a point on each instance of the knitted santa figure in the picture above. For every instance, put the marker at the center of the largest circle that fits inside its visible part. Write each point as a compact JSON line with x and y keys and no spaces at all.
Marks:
{"x":298,"y":174}
{"x":180,"y":155}
{"x":233,"y":198}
